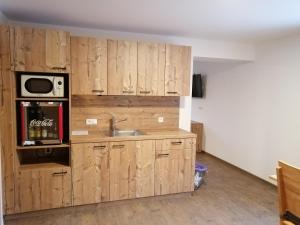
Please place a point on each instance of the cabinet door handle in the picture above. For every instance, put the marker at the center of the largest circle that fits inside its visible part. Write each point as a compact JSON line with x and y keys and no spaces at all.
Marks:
{"x":2,"y":92}
{"x":59,"y":68}
{"x":145,"y":92}
{"x":60,"y":173}
{"x":163,"y":155}
{"x":172,"y":92}
{"x":97,"y":90}
{"x":128,"y":92}
{"x":100,"y":147}
{"x":118,"y":146}
{"x":176,"y":142}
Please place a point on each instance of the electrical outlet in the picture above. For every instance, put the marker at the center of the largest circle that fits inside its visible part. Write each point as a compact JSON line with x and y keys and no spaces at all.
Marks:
{"x":161,"y":119}
{"x":91,"y":121}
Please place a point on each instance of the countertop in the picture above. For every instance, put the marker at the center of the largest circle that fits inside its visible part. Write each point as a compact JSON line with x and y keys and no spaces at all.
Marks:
{"x":94,"y":137}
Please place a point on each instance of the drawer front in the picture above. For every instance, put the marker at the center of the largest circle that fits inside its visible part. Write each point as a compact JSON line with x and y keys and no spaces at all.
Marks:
{"x":180,"y":143}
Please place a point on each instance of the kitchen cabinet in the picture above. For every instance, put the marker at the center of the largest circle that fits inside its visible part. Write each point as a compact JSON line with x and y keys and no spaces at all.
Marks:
{"x":145,"y":159}
{"x":89,"y":66}
{"x":40,"y":50}
{"x":45,"y":188}
{"x":122,"y":67}
{"x":122,"y":170}
{"x":151,"y":69}
{"x":177,"y":71}
{"x":90,"y":173}
{"x":197,"y":128}
{"x":174,"y":166}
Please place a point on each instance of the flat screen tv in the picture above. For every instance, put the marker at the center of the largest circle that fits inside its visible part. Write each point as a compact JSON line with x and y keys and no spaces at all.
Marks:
{"x":197,"y":86}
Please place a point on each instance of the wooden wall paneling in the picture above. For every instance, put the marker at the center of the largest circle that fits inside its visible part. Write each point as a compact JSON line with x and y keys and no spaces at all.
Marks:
{"x":151,"y":69}
{"x":177,"y":73}
{"x":122,"y":67}
{"x":7,"y":125}
{"x":57,"y":50}
{"x":122,"y":161}
{"x":141,"y":112}
{"x":145,"y":159}
{"x":43,"y":189}
{"x":90,"y":173}
{"x":89,"y":66}
{"x":41,"y":50}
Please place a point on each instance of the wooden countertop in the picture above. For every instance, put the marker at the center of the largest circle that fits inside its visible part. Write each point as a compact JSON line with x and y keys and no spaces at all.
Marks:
{"x":94,"y":137}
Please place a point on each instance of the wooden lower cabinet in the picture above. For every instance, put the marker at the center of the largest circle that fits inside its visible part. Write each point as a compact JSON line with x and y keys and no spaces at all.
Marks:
{"x":174,"y":166}
{"x":90,"y":173}
{"x":43,"y":189}
{"x":122,"y":170}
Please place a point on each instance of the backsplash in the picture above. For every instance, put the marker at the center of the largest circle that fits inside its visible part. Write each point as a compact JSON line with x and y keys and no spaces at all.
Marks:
{"x":140,"y":112}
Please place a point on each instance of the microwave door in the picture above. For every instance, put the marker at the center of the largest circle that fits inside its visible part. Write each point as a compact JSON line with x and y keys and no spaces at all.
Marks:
{"x":54,"y":86}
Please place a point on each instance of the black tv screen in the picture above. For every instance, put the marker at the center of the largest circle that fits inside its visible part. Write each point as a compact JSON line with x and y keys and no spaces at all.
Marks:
{"x":197,"y":86}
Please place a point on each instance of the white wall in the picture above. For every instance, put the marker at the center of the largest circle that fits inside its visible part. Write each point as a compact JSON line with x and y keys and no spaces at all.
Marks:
{"x":3,"y":18}
{"x":251,"y":112}
{"x":200,"y":48}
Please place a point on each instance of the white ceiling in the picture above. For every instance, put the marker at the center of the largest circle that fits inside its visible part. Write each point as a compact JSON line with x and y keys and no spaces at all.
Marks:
{"x":234,"y":20}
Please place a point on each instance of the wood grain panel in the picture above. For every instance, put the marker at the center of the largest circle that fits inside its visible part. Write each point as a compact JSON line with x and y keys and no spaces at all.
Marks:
{"x":90,"y":173}
{"x":151,"y":69}
{"x":122,"y":170}
{"x":7,"y":125}
{"x":140,"y":112}
{"x":89,"y":66}
{"x":57,"y":50}
{"x":178,"y":71}
{"x":43,"y":189}
{"x":145,"y":158}
{"x":122,"y":67}
{"x":40,"y":50}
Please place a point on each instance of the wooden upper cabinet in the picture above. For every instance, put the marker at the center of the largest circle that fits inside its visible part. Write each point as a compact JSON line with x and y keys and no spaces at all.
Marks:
{"x":122,"y":67}
{"x":40,"y":50}
{"x":38,"y":189}
{"x":90,"y":173}
{"x":151,"y":69}
{"x":178,"y":70}
{"x":89,"y":66}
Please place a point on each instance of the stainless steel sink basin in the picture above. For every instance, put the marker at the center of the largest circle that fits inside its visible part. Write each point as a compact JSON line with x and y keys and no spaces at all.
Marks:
{"x":117,"y":133}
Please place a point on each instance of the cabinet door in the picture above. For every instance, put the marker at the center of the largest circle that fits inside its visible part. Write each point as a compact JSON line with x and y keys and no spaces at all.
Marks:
{"x":145,"y":158}
{"x":177,"y":74}
{"x":90,"y":173}
{"x":43,"y":189}
{"x":89,"y":66}
{"x":174,"y":166}
{"x":151,"y":69}
{"x":122,"y":170}
{"x":122,"y":67}
{"x":41,"y":50}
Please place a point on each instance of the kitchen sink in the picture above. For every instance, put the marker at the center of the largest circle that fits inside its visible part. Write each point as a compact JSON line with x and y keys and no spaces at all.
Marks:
{"x":117,"y":133}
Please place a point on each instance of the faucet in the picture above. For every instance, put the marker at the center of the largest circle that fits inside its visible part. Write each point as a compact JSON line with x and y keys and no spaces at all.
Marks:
{"x":113,"y":122}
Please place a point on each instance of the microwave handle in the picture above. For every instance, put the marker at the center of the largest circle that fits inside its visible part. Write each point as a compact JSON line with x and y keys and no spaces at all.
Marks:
{"x":54,"y":86}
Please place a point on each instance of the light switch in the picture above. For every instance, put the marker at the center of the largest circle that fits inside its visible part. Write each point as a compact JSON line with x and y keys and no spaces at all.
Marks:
{"x":91,"y":121}
{"x":161,"y":119}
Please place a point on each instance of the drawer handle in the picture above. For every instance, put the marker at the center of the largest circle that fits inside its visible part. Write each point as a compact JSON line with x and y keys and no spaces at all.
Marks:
{"x":118,"y":146}
{"x":176,"y":142}
{"x":172,"y":92}
{"x":60,"y":173}
{"x":145,"y":92}
{"x":100,"y":147}
{"x":98,"y":91}
{"x":128,"y":92}
{"x":163,"y":155}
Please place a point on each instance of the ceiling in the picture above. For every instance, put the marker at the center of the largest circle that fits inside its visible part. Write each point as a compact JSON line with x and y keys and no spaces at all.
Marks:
{"x":233,"y":20}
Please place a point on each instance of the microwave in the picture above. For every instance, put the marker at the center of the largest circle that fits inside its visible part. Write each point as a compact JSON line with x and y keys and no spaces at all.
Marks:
{"x":42,"y":86}
{"x":41,"y":123}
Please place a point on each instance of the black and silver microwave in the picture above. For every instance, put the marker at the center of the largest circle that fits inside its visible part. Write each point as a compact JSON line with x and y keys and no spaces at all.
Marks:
{"x":42,"y":86}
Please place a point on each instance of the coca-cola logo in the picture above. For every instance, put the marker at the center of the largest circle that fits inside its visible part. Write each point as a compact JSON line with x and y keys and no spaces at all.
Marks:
{"x":41,"y":123}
